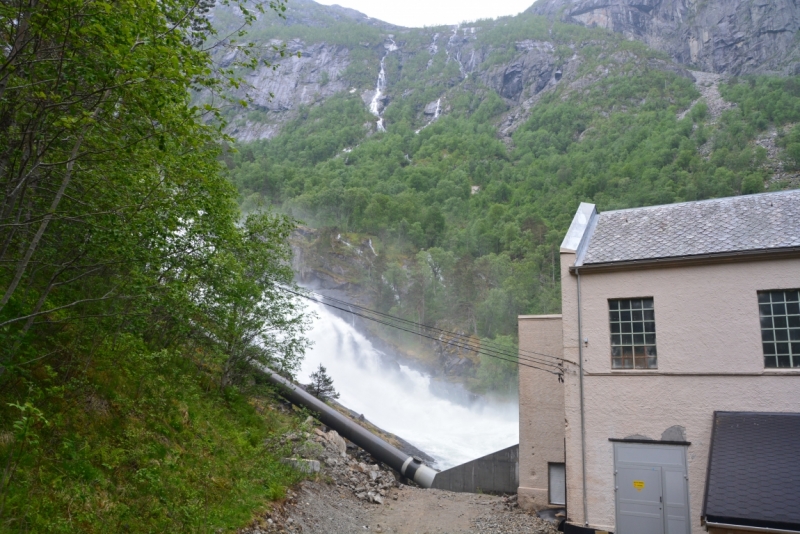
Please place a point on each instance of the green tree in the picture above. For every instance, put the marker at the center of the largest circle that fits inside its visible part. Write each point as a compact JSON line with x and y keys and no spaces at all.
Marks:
{"x":321,"y":385}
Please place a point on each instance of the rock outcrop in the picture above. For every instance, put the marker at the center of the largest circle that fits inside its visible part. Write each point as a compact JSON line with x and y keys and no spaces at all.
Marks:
{"x":723,"y":36}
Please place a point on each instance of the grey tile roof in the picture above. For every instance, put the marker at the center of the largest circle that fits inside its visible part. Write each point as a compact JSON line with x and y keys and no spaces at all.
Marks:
{"x":734,"y":224}
{"x":754,"y":472}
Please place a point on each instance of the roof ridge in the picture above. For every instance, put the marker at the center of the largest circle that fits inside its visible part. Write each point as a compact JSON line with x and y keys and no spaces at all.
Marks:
{"x":706,"y":201}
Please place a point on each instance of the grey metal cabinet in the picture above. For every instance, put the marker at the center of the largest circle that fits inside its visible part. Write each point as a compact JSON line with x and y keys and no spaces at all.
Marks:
{"x":651,"y":489}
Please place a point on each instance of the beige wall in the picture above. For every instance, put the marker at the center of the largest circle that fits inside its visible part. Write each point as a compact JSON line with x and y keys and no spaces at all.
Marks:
{"x":541,"y":408}
{"x":709,"y":358}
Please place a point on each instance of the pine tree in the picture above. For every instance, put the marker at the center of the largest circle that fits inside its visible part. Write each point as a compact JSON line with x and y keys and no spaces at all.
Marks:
{"x":321,"y":385}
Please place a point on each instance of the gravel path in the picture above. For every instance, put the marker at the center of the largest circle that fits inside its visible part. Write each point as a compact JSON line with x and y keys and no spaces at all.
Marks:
{"x":352,"y":493}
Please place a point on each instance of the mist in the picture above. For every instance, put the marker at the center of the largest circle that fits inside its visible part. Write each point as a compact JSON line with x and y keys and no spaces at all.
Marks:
{"x":442,"y":419}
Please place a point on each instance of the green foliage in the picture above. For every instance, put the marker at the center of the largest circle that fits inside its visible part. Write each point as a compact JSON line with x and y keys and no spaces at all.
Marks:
{"x":139,"y":443}
{"x":321,"y":385}
{"x":135,"y":302}
{"x":468,"y":224}
{"x":476,"y":261}
{"x":791,"y":145}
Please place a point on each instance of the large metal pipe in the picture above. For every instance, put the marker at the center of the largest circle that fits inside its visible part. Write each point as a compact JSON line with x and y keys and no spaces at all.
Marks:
{"x":408,"y":466}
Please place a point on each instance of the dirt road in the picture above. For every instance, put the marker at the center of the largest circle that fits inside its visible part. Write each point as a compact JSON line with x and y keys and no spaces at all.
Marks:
{"x":354,"y":494}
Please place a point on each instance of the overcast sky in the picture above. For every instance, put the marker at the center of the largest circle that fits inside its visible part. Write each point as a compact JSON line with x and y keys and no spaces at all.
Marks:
{"x":416,"y":13}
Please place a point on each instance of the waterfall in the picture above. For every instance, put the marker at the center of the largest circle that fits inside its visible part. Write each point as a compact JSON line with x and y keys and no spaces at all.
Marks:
{"x":440,"y":418}
{"x":376,"y":106}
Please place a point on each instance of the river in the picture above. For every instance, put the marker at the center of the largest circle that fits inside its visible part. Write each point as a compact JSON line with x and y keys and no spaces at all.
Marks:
{"x":440,"y":418}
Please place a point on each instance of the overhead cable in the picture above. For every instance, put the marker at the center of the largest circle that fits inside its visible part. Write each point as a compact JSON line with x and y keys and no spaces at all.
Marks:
{"x":525,"y":363}
{"x":494,"y":345}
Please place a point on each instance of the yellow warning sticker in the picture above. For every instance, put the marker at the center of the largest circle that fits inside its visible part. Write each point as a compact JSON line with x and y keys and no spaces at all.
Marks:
{"x":638,"y":484}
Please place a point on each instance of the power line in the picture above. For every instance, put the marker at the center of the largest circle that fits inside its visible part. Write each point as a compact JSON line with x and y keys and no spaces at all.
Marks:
{"x":496,"y":346}
{"x":558,"y":373}
{"x":467,"y":345}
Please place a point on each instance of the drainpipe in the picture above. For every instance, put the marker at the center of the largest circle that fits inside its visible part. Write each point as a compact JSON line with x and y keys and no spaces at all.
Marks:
{"x":583,"y":415}
{"x":408,"y":466}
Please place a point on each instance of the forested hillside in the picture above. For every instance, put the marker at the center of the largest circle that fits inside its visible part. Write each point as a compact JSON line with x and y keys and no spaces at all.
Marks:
{"x":135,"y":304}
{"x":465,"y":206}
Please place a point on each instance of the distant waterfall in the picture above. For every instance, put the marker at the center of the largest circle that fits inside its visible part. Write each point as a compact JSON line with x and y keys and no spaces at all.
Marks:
{"x":438,"y":417}
{"x":376,"y":105}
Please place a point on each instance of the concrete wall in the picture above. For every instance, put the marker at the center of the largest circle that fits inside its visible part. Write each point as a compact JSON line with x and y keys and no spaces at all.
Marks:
{"x":541,"y":410}
{"x":496,"y":472}
{"x":709,"y":358}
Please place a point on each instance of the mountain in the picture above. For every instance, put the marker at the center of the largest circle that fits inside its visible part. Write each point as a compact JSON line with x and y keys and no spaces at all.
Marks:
{"x":723,"y":36}
{"x":437,"y":169}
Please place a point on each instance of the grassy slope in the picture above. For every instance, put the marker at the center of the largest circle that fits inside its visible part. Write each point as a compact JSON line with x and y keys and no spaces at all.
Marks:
{"x":143,"y":442}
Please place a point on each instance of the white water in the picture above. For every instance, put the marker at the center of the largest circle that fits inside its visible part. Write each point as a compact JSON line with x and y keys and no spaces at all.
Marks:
{"x":436,"y":417}
{"x":375,"y":106}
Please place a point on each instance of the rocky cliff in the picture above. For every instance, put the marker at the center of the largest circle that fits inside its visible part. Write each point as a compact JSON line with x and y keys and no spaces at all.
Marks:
{"x":723,"y":36}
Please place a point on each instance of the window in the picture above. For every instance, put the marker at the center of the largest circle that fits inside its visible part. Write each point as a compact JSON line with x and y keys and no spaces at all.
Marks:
{"x":633,"y":334}
{"x":780,"y":327}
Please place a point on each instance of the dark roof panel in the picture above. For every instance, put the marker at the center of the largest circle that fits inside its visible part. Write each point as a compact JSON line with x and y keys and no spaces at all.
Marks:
{"x":723,"y":225}
{"x":754,"y":470}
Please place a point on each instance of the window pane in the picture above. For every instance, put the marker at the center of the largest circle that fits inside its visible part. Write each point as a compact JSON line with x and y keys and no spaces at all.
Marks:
{"x":632,"y":325}
{"x":780,"y":327}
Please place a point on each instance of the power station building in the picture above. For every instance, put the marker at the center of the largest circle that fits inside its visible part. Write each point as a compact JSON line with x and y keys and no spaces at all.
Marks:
{"x":679,"y":409}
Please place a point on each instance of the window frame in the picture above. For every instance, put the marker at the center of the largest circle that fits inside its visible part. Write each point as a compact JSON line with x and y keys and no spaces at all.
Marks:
{"x":649,"y":340}
{"x":787,"y":314}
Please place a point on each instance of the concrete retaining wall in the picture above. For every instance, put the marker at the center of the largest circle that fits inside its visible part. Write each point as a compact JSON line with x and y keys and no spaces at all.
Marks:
{"x":497,"y":472}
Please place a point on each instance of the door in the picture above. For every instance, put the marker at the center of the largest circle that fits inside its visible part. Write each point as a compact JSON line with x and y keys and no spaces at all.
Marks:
{"x":640,"y":507}
{"x":557,"y":475}
{"x":651,"y":488}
